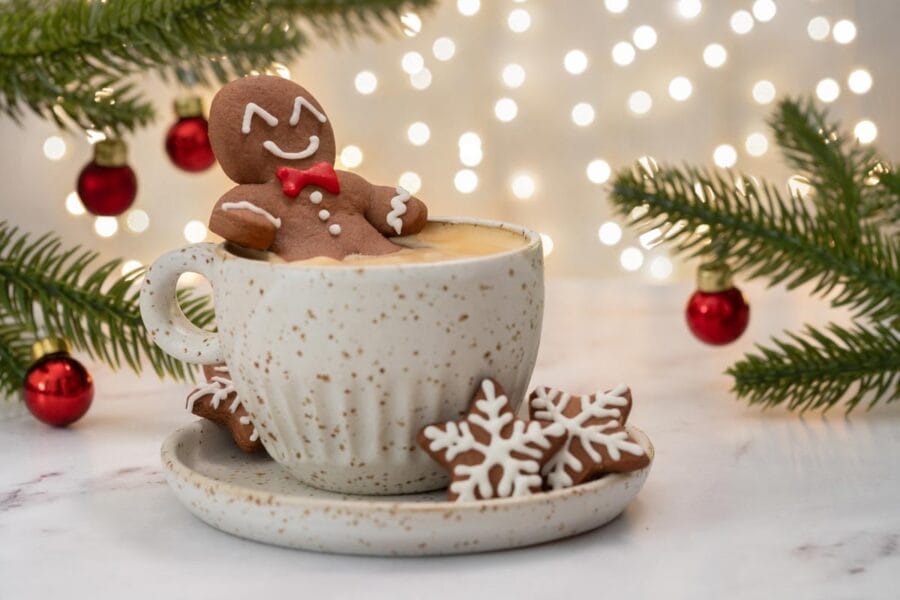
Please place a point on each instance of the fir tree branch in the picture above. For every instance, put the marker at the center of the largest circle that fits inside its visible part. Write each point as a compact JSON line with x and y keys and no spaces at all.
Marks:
{"x":46,"y":289}
{"x":819,"y":368}
{"x":15,"y":354}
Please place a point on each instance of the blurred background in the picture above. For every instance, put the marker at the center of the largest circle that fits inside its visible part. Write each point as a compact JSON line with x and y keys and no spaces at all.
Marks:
{"x":517,"y":111}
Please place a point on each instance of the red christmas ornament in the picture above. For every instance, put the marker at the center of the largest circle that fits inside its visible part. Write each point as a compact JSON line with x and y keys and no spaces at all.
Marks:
{"x":187,"y":142}
{"x":717,"y":312}
{"x":58,"y":389}
{"x":107,"y":186}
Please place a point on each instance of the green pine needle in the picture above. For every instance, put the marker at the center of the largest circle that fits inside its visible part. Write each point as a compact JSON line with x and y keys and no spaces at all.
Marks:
{"x":47,"y":289}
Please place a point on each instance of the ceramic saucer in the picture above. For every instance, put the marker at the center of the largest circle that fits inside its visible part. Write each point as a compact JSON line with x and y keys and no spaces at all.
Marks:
{"x":252,"y":497}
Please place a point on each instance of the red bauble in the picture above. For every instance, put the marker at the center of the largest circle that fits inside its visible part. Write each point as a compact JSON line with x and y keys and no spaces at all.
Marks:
{"x":187,"y":142}
{"x":717,"y":312}
{"x":58,"y":389}
{"x":107,"y":186}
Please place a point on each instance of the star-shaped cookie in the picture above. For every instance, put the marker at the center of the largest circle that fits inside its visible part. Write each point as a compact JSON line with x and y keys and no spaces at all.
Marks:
{"x":596,"y":439}
{"x":490,"y":453}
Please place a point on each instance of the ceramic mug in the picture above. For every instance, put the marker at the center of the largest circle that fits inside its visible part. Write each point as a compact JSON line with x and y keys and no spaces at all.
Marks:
{"x":341,"y":366}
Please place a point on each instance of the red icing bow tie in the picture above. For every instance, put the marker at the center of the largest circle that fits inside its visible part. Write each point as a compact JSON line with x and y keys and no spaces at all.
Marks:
{"x":320,"y":174}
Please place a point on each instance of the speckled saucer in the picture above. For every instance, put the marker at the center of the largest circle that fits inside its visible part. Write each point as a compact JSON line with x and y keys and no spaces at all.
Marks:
{"x":251,"y":496}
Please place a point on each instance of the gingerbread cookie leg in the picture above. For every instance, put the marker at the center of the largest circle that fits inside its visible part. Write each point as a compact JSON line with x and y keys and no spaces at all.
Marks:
{"x":218,"y":402}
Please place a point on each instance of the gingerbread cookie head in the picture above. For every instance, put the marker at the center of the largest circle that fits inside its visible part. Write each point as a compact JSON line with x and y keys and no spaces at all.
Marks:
{"x":260,"y":123}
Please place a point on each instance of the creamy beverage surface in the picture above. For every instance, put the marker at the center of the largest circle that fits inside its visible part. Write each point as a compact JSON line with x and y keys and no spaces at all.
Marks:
{"x":435,"y":243}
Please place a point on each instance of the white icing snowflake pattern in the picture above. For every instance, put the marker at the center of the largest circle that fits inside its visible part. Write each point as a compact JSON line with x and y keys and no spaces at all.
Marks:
{"x":550,"y":405}
{"x":493,"y":414}
{"x":220,"y":387}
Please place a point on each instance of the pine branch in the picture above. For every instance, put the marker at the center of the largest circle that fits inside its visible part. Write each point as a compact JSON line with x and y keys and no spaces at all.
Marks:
{"x":70,"y":60}
{"x":50,"y":290}
{"x":15,"y":354}
{"x":766,"y":235}
{"x":817,"y":369}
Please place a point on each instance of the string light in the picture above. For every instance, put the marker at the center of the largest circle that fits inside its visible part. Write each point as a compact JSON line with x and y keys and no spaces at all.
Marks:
{"x":443,"y":48}
{"x":137,"y":221}
{"x":421,"y":80}
{"x":764,"y":10}
{"x":609,"y":233}
{"x":623,"y":53}
{"x":513,"y":75}
{"x":725,"y":156}
{"x":412,"y":24}
{"x":351,"y":156}
{"x":756,"y":144}
{"x":598,"y":171}
{"x":547,"y":244}
{"x":715,"y":55}
{"x":506,"y":109}
{"x":523,"y":186}
{"x":418,"y":133}
{"x":799,"y":186}
{"x":468,"y":7}
{"x":519,"y":20}
{"x":582,"y":114}
{"x":644,"y":37}
{"x":828,"y":90}
{"x":818,"y":28}
{"x":689,"y":8}
{"x":741,"y":22}
{"x":575,"y":62}
{"x":469,"y":138}
{"x":54,"y":147}
{"x":660,"y":267}
{"x":465,"y":181}
{"x":410,"y":181}
{"x":844,"y":31}
{"x":73,"y":205}
{"x":106,"y":227}
{"x":865,"y":131}
{"x":640,"y":102}
{"x":680,"y":89}
{"x":412,"y":62}
{"x":194,"y":232}
{"x":130,"y":265}
{"x":470,"y":155}
{"x":859,"y":81}
{"x":616,"y":6}
{"x":631,"y":259}
{"x":365,"y":82}
{"x":763,"y":91}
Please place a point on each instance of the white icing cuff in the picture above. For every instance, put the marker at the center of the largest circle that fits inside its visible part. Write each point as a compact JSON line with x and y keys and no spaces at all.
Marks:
{"x":398,"y":209}
{"x":247,"y":205}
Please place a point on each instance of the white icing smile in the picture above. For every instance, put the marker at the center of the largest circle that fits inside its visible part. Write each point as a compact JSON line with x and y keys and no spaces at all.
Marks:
{"x":308,"y":151}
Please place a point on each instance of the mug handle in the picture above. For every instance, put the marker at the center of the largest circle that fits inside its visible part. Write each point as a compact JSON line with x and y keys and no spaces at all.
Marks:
{"x":163,"y":317}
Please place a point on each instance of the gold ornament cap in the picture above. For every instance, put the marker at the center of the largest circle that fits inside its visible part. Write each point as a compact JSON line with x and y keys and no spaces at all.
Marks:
{"x":714,"y":277}
{"x":188,"y":106}
{"x":47,"y":346}
{"x":111,"y":152}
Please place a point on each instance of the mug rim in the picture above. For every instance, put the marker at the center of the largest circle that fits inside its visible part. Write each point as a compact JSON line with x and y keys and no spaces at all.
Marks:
{"x":532,"y":241}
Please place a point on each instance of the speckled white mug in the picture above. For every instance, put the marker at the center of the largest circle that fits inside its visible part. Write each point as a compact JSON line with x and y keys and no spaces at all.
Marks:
{"x":341,"y":366}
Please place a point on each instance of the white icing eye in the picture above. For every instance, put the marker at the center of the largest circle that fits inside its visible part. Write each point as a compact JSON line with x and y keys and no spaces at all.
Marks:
{"x":255,"y":109}
{"x":299,"y":103}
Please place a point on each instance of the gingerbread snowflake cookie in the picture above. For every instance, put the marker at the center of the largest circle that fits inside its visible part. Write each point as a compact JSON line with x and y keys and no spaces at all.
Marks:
{"x":490,"y":453}
{"x":217,"y":401}
{"x":274,"y":139}
{"x":596,"y":439}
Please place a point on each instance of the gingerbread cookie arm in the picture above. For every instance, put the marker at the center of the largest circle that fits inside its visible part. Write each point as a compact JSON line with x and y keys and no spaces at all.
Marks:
{"x":394,"y":211}
{"x":242,"y":218}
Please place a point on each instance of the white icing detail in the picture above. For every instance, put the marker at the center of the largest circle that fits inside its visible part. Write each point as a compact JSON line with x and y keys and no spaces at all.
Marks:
{"x":247,"y":205}
{"x":254,"y":436}
{"x":519,"y":474}
{"x":315,"y":197}
{"x":398,"y":206}
{"x":219,"y":386}
{"x":308,"y":151}
{"x":255,"y":109}
{"x":324,"y":214}
{"x":300,"y":102}
{"x":550,"y":404}
{"x":334,"y":229}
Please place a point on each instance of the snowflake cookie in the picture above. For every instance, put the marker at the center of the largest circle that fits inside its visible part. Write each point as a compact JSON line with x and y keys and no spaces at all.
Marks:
{"x":596,"y":439}
{"x":217,"y":401}
{"x":490,"y":453}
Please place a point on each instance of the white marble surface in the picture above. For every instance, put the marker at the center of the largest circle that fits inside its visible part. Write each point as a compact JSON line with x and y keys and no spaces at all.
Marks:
{"x":740,"y":503}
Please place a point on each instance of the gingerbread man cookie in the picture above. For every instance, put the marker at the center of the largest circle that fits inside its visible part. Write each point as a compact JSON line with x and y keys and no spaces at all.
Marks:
{"x":273,"y":138}
{"x":490,"y":453}
{"x":217,"y":401}
{"x":596,"y":439}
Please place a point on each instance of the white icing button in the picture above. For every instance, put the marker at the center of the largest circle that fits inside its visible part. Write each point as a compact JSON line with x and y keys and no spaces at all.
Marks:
{"x":324,"y":214}
{"x":334,"y":229}
{"x":315,"y":197}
